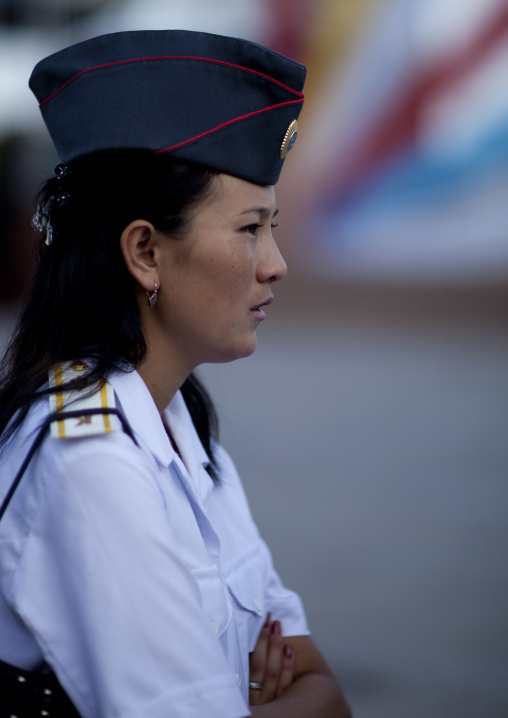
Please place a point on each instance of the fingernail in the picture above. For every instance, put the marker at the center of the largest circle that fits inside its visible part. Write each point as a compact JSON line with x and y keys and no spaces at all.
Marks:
{"x":267,"y":621}
{"x":276,"y":628}
{"x":288,"y":651}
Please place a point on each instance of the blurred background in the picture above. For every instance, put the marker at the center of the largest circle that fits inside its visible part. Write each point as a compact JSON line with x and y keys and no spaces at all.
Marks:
{"x":370,"y":427}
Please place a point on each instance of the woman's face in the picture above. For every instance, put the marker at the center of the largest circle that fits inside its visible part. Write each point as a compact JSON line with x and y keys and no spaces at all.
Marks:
{"x":215,"y":280}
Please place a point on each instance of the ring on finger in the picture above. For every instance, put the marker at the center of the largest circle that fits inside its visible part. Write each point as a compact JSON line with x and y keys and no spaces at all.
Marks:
{"x":255,"y":686}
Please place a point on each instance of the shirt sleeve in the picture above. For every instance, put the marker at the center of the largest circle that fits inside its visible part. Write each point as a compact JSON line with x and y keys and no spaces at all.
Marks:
{"x":253,"y":579}
{"x":101,"y":586}
{"x":284,"y":604}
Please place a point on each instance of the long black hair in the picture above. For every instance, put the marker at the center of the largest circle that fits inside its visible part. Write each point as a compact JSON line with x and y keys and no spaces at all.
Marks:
{"x":81,"y":301}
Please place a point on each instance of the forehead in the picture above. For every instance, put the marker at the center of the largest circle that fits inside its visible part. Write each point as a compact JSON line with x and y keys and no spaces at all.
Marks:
{"x":233,"y":196}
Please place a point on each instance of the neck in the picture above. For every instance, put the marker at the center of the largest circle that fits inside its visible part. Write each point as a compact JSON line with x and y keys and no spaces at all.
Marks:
{"x":161,"y":377}
{"x":166,"y":365}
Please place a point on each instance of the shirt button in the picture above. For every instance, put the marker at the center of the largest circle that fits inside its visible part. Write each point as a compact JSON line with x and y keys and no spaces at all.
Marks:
{"x":259,"y":604}
{"x":215,"y":627}
{"x":239,"y":679}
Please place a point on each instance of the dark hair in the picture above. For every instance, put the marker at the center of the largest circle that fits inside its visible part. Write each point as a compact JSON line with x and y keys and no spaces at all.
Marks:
{"x":81,"y":301}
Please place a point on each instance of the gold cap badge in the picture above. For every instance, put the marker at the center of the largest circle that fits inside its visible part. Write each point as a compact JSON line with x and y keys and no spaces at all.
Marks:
{"x":289,"y":139}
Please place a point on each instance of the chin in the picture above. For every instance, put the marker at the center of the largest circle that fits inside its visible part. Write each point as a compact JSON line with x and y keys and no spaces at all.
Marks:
{"x":240,"y":351}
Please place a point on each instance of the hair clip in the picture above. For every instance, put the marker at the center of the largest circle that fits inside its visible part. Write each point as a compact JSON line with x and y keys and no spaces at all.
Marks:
{"x":61,"y":171}
{"x":62,"y":197}
{"x":49,"y":235}
{"x":40,"y":220}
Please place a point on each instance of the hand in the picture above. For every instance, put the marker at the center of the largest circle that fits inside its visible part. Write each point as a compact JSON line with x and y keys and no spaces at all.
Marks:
{"x":272,"y":664}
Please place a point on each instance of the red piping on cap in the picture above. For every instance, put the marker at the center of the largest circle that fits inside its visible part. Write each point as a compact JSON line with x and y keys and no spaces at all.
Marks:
{"x":225,"y":124}
{"x":172,"y":57}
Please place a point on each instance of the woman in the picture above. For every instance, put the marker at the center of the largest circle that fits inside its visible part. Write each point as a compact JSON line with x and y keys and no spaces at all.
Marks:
{"x":133,"y":581}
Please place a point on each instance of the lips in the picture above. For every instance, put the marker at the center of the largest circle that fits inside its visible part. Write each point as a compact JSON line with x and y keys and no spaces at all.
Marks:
{"x":258,"y":312}
{"x":263,"y":304}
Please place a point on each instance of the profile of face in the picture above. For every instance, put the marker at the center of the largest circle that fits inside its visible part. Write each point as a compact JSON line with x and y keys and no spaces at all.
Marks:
{"x":215,"y":280}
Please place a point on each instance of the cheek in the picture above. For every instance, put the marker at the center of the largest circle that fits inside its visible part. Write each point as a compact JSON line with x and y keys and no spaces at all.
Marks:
{"x":215,"y":277}
{"x":231,"y":276}
{"x":238,"y":281}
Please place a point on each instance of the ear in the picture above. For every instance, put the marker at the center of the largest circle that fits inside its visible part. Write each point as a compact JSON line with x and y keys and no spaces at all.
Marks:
{"x":138,"y":243}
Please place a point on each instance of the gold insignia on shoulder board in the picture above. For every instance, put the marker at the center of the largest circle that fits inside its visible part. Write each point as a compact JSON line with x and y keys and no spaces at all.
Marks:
{"x":67,"y":398}
{"x":79,"y":366}
{"x":289,"y":139}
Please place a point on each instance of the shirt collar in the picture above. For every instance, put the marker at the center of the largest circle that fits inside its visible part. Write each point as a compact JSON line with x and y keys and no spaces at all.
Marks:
{"x":143,"y":416}
{"x":139,"y":408}
{"x":189,"y":445}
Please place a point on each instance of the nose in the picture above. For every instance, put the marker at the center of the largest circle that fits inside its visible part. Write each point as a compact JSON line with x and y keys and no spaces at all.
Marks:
{"x":272,"y":267}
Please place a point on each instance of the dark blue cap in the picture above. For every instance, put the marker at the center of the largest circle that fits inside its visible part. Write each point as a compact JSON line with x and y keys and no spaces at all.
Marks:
{"x":222,"y":102}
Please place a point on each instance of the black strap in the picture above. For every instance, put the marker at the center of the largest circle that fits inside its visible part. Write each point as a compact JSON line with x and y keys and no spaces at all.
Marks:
{"x":32,"y":694}
{"x":59,"y":416}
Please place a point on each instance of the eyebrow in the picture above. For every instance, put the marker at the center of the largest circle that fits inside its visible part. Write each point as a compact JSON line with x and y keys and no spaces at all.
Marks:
{"x":263,"y":211}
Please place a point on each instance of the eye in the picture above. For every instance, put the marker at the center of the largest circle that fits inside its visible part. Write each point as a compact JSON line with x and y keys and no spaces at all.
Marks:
{"x":252,"y":228}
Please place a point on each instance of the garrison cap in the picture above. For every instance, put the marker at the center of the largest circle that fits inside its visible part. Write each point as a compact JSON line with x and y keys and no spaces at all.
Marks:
{"x":222,"y":102}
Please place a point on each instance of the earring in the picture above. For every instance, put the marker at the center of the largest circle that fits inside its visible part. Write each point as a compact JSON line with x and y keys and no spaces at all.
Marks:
{"x":153,"y":296}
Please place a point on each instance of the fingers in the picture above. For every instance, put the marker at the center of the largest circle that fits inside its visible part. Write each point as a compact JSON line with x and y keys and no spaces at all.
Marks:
{"x":287,"y":669}
{"x":258,"y":656}
{"x":271,"y":664}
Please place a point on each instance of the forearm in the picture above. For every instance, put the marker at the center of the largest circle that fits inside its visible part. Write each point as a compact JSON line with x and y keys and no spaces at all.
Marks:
{"x":311,"y":694}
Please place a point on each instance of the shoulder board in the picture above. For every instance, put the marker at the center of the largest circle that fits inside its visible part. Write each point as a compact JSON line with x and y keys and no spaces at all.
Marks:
{"x":100,"y":397}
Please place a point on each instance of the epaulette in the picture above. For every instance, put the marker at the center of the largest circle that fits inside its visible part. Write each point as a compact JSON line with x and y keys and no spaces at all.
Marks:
{"x":85,"y":412}
{"x":75,"y":400}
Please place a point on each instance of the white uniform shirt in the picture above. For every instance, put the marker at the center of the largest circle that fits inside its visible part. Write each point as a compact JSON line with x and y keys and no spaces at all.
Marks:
{"x":142,"y":584}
